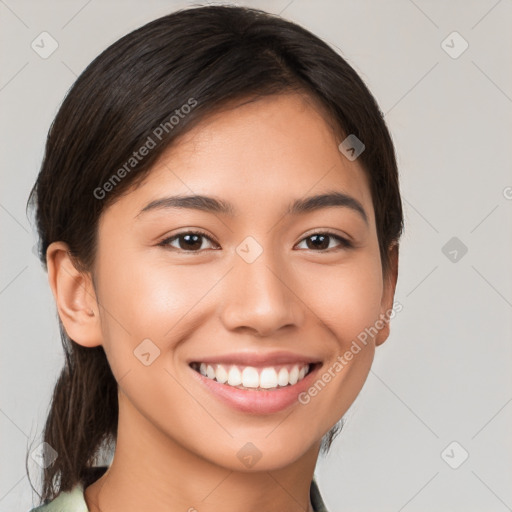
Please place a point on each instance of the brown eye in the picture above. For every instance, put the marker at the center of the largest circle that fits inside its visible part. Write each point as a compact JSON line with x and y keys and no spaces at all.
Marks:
{"x":320,"y":242}
{"x":189,"y":241}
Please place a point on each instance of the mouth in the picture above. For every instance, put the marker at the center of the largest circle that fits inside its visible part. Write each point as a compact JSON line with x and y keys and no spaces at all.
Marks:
{"x":255,"y":382}
{"x":255,"y":378}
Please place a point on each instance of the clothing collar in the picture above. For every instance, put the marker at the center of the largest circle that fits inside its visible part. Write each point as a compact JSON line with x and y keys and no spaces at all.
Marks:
{"x":74,"y":500}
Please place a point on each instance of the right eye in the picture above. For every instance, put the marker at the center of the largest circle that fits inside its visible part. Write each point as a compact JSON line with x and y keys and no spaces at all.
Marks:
{"x":188,"y":241}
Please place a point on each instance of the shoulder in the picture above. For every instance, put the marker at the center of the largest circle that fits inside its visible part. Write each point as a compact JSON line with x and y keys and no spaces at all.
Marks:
{"x":316,"y":498}
{"x":70,"y":501}
{"x":73,"y":500}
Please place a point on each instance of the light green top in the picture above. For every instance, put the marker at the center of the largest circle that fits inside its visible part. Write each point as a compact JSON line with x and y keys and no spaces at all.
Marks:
{"x":74,"y":501}
{"x":71,"y":501}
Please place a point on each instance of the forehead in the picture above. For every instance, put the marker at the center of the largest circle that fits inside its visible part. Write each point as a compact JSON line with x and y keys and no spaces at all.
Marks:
{"x":262,"y":152}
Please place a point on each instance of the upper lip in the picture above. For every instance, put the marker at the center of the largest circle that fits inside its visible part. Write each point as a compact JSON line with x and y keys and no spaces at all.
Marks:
{"x":257,"y":359}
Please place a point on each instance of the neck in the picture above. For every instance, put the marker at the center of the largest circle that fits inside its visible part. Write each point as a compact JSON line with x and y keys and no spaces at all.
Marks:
{"x":151,"y":471}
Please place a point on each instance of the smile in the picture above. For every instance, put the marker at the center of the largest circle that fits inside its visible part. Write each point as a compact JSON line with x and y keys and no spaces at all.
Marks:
{"x":250,"y":377}
{"x":256,"y":383}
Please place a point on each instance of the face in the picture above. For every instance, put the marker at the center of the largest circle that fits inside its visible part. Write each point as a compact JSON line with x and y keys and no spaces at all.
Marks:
{"x":254,"y":291}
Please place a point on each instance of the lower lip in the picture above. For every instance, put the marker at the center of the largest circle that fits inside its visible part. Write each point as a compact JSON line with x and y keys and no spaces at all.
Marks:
{"x":258,"y":402}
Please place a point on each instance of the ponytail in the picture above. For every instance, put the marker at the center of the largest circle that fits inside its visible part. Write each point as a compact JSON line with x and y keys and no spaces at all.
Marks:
{"x":82,"y":418}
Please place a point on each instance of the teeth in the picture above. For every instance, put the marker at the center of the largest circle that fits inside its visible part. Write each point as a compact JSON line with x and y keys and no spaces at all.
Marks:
{"x":294,"y":375}
{"x":252,"y":378}
{"x":221,"y":374}
{"x":210,"y":372}
{"x":268,"y":378}
{"x":282,"y":378}
{"x":234,"y":376}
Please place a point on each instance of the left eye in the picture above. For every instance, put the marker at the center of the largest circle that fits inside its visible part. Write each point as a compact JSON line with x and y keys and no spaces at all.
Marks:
{"x":191,"y":241}
{"x":321,"y":241}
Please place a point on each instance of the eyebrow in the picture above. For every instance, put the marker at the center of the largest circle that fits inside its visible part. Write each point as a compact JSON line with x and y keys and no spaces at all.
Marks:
{"x":300,"y":206}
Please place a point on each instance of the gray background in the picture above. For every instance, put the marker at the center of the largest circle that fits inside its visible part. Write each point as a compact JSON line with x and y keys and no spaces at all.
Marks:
{"x":444,"y":374}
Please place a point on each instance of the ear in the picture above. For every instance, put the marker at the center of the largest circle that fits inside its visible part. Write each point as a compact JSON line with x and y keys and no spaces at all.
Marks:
{"x":74,"y":295}
{"x":388,"y":295}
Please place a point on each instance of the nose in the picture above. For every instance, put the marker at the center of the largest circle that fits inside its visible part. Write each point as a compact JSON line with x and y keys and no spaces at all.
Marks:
{"x":259,"y":298}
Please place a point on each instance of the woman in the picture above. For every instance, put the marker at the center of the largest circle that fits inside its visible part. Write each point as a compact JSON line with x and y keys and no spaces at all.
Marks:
{"x":219,"y":214}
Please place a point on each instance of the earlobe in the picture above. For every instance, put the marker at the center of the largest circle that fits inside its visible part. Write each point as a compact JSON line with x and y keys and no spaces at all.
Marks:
{"x":74,"y":296}
{"x":388,"y":295}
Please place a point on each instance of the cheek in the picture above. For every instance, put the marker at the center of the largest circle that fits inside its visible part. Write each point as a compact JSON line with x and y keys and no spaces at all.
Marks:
{"x":347,"y":300}
{"x":347,"y":303}
{"x":162,"y":304}
{"x":150,"y":302}
{"x":143,"y":318}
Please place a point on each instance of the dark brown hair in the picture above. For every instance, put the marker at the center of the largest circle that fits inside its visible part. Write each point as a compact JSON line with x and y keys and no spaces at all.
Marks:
{"x":202,"y":57}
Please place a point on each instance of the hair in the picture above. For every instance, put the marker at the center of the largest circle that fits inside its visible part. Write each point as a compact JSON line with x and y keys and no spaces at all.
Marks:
{"x":155,"y":84}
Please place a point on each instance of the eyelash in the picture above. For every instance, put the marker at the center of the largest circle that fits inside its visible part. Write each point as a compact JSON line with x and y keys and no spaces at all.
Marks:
{"x":344,"y":243}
